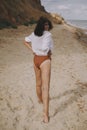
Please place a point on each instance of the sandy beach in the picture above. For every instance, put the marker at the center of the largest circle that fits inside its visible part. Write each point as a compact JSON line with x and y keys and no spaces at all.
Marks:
{"x":19,"y":107}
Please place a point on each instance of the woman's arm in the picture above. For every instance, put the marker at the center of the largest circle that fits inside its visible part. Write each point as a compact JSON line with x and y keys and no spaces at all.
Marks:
{"x":28,"y":45}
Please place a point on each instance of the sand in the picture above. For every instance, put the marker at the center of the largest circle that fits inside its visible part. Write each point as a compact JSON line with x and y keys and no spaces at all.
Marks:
{"x":19,"y":107}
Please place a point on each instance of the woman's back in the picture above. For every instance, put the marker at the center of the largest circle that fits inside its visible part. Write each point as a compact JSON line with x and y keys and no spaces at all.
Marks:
{"x":40,"y":44}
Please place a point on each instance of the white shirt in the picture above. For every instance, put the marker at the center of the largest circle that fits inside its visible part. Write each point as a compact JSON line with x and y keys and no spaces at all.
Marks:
{"x":41,"y":44}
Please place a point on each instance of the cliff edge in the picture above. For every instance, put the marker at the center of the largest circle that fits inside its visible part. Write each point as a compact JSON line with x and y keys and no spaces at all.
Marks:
{"x":20,"y":11}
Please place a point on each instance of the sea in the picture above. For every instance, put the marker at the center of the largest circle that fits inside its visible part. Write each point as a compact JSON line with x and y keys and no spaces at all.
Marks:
{"x":78,"y":23}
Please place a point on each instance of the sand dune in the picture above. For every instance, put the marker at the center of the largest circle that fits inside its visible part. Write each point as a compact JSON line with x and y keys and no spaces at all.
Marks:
{"x":19,"y":108}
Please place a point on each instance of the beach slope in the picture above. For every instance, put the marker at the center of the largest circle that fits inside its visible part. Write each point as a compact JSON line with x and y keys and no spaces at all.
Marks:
{"x":19,"y":108}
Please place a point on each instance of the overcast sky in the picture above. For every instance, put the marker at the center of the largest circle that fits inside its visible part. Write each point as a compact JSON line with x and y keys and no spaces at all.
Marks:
{"x":69,"y":9}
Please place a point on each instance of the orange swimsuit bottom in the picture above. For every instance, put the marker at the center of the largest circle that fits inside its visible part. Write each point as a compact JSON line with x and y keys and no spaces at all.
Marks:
{"x":38,"y":60}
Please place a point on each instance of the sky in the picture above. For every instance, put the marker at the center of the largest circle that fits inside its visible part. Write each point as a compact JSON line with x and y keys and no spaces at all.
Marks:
{"x":69,"y":9}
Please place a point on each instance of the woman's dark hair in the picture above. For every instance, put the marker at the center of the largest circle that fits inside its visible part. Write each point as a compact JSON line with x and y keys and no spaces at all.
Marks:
{"x":39,"y":29}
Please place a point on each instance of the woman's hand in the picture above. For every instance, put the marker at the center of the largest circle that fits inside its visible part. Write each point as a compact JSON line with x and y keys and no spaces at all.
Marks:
{"x":49,"y":53}
{"x":33,"y":53}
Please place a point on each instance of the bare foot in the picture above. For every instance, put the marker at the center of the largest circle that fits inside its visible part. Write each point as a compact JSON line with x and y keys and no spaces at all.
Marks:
{"x":46,"y":119}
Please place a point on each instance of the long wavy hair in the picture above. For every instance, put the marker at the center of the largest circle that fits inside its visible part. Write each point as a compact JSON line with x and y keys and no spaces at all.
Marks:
{"x":39,"y":29}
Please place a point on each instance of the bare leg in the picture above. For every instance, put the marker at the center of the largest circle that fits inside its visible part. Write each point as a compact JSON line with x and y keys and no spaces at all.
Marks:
{"x":45,"y":74}
{"x":38,"y":84}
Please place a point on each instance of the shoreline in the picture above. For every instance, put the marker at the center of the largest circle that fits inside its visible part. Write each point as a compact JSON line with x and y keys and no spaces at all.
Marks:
{"x":80,"y":33}
{"x":77,"y":26}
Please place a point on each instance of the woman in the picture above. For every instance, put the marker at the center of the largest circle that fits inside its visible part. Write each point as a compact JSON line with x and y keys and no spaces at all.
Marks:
{"x":40,"y":43}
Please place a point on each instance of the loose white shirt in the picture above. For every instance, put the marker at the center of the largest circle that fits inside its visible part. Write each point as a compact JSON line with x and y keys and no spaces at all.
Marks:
{"x":40,"y":44}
